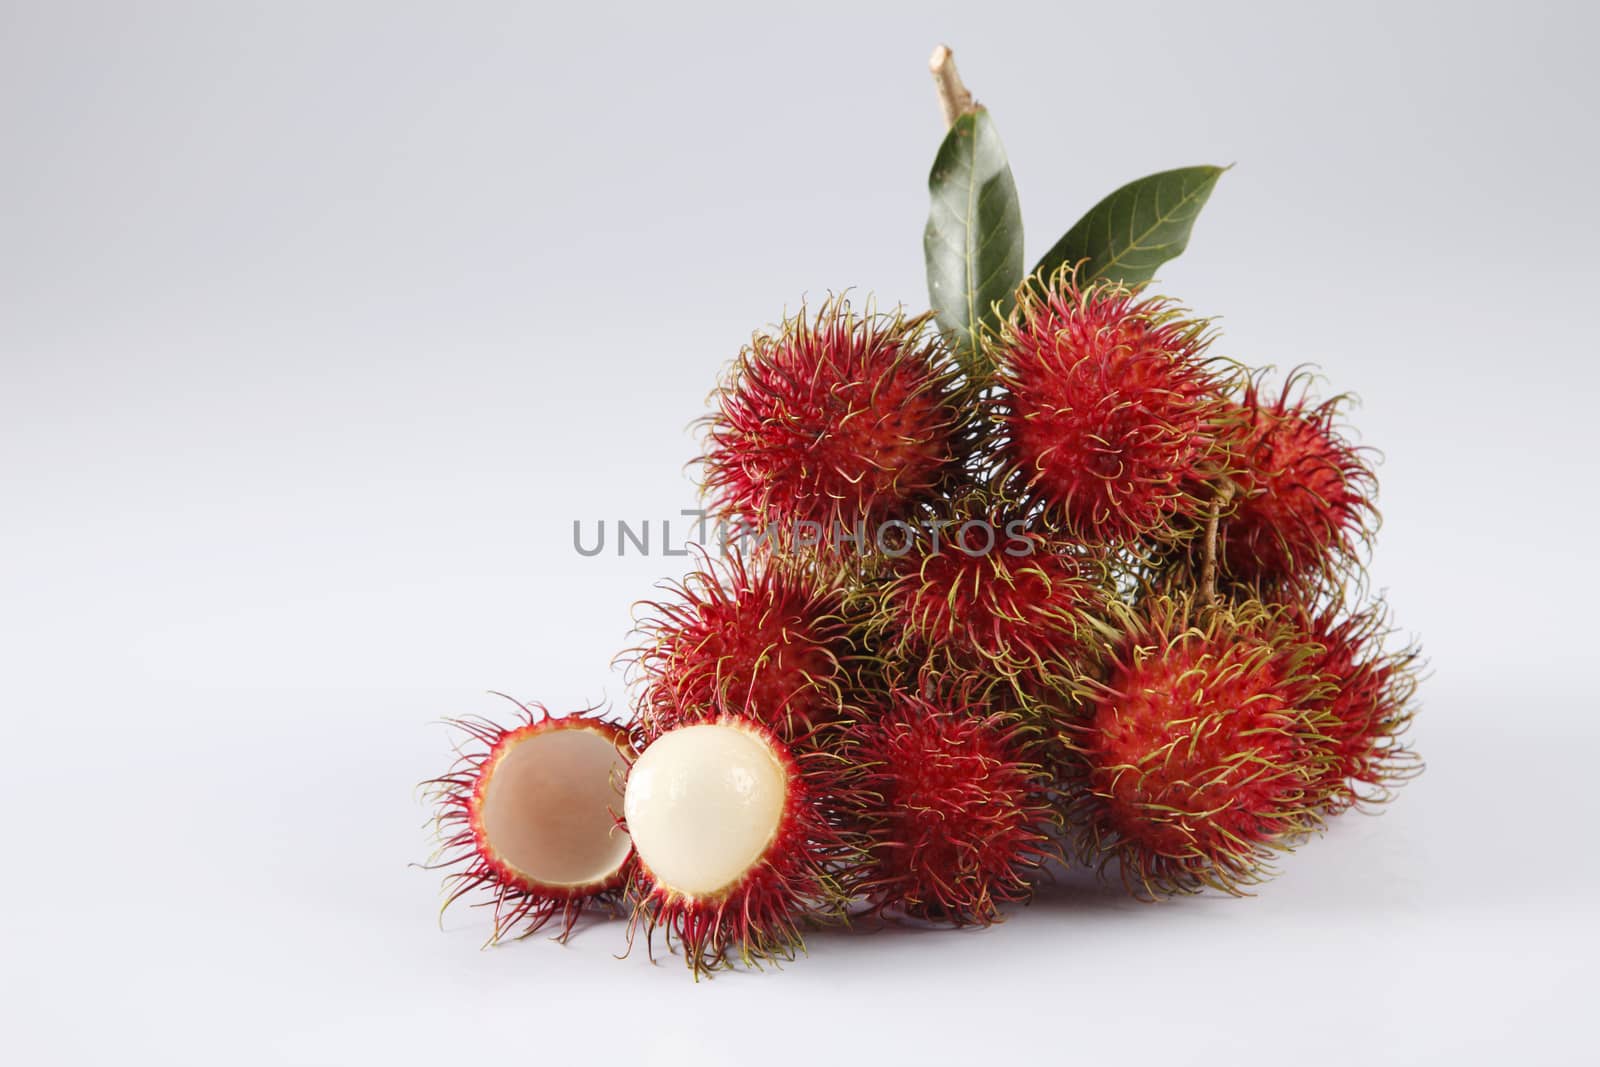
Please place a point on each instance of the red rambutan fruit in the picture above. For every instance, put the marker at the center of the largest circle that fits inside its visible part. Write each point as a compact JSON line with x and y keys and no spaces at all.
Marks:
{"x":765,"y":640}
{"x":836,"y":420}
{"x":957,"y":818}
{"x":1369,"y":700}
{"x":735,"y":847}
{"x":997,"y":597}
{"x":1304,"y":499}
{"x":1205,"y":752}
{"x":529,"y":814}
{"x":1111,"y":414}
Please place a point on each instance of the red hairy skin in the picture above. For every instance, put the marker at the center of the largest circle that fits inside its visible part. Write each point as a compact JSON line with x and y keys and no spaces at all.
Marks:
{"x":1369,"y":702}
{"x":959,"y":821}
{"x":1020,"y":613}
{"x":767,"y":641}
{"x":802,"y":878}
{"x":1305,"y":496}
{"x":521,"y":907}
{"x":1207,"y":749}
{"x":1111,"y":414}
{"x":834,"y":419}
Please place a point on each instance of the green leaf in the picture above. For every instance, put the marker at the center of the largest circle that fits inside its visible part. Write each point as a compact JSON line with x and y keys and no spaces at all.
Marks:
{"x":1130,"y":233}
{"x":973,"y":241}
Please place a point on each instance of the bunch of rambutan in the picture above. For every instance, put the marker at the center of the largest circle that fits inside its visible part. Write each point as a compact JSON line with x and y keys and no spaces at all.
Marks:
{"x":1036,"y":580}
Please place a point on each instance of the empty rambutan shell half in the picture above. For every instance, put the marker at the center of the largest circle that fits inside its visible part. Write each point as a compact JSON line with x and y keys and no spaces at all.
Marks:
{"x":734,"y":850}
{"x":529,"y":814}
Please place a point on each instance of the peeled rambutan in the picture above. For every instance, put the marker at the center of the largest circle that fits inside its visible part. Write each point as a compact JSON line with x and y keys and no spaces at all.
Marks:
{"x":997,"y":597}
{"x":1205,"y":752}
{"x":1368,"y":697}
{"x":735,"y":847}
{"x":841,"y":420}
{"x":1304,"y":495}
{"x":1111,"y":415}
{"x":529,"y":814}
{"x":765,"y":640}
{"x":957,"y":818}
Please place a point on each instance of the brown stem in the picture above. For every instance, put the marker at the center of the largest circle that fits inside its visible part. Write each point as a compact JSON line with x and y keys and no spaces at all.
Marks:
{"x":954,"y":99}
{"x":1208,"y":570}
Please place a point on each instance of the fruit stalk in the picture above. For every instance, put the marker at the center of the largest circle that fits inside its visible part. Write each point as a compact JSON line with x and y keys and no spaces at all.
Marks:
{"x":1208,"y":570}
{"x":954,"y":99}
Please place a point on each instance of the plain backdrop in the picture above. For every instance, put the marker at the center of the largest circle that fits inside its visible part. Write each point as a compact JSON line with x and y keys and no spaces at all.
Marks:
{"x":320,"y":324}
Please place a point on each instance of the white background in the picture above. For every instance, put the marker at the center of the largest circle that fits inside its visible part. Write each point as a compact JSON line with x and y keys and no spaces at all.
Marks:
{"x":321,"y":323}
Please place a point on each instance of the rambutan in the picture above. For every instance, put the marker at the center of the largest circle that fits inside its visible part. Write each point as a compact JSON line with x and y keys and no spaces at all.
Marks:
{"x":958,"y":819}
{"x":765,"y":640}
{"x":529,"y":814}
{"x":997,"y":597}
{"x":1305,"y":495}
{"x":1206,"y":750}
{"x":735,"y":847}
{"x":1368,"y":697}
{"x":840,"y":420}
{"x":1031,"y":573}
{"x":1111,"y":415}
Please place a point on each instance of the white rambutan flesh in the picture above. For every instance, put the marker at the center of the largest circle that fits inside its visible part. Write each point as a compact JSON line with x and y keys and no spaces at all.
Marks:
{"x":549,"y":808}
{"x":704,"y":804}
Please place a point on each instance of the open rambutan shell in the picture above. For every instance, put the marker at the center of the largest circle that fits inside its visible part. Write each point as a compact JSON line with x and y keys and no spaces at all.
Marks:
{"x":735,"y":848}
{"x":529,"y":816}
